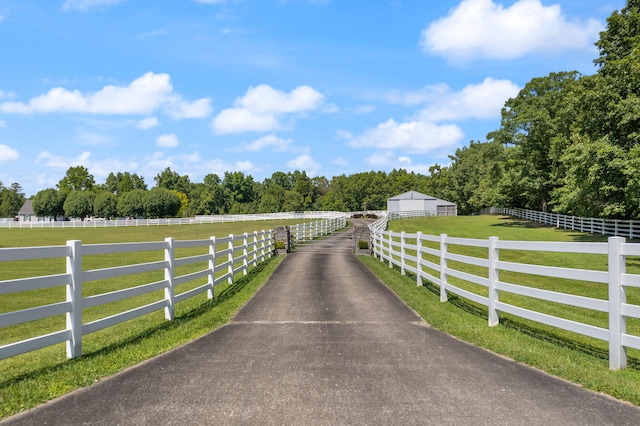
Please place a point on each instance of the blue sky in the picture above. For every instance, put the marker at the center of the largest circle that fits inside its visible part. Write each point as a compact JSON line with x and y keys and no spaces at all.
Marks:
{"x":258,"y":86}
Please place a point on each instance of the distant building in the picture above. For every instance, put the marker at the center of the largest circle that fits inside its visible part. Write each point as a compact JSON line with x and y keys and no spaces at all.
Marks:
{"x":26,"y":213}
{"x":416,"y":201}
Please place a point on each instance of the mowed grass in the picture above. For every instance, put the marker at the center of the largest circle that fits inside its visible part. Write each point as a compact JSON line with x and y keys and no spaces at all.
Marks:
{"x":580,"y":359}
{"x":32,"y":378}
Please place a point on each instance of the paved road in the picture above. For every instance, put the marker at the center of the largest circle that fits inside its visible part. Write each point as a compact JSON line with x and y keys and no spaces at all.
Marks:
{"x":325,"y":343}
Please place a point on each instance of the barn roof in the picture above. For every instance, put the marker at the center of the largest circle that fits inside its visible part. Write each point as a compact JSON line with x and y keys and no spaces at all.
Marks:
{"x":27,"y":207}
{"x":415,"y":195}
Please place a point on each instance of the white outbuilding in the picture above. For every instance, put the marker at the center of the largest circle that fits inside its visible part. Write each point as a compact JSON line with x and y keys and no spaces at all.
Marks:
{"x":416,"y":201}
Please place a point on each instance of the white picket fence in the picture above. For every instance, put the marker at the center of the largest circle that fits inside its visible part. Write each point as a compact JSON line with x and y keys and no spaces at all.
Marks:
{"x":224,"y":258}
{"x":197,"y":220}
{"x":411,"y":252}
{"x":616,"y":227}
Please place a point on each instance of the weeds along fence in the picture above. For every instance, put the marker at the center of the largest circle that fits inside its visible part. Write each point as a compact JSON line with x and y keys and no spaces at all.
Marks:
{"x":309,"y":231}
{"x":487,"y":272}
{"x":197,"y":220}
{"x":178,"y":270}
{"x":615,"y":227}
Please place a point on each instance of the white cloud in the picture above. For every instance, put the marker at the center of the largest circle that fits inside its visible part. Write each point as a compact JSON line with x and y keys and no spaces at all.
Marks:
{"x":94,"y":139}
{"x":145,"y":95}
{"x":167,"y":141}
{"x":484,"y":29}
{"x":262,"y":108}
{"x":305,"y":163}
{"x":276,"y":143}
{"x":412,"y":136}
{"x":148,"y":123}
{"x":86,"y":4}
{"x":389,"y":160}
{"x":8,"y":154}
{"x":484,"y":100}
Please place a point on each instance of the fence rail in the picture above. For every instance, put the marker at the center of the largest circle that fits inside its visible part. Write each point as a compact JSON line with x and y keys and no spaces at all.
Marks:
{"x":197,"y":220}
{"x":615,"y":227}
{"x":303,"y":232}
{"x":221,"y":260}
{"x":430,"y":258}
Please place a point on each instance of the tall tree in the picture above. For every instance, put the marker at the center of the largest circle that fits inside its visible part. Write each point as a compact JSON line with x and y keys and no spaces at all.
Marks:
{"x":49,"y":203}
{"x":169,"y":179}
{"x":79,"y":204}
{"x":76,"y":178}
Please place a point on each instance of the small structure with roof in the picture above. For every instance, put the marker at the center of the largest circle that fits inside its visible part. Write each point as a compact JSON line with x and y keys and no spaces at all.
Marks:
{"x":26,"y":213}
{"x":413,"y":201}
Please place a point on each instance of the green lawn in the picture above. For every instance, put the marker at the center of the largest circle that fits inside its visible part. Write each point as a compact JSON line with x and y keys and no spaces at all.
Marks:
{"x":577,"y":358}
{"x":35,"y":377}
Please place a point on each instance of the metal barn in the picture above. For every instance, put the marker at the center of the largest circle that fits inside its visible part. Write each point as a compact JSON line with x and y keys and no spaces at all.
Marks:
{"x":417,"y":201}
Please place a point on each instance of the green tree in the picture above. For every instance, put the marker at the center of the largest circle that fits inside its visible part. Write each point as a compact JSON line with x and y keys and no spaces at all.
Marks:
{"x":169,"y":179}
{"x":11,"y":200}
{"x":49,"y":203}
{"x":538,"y":123}
{"x":79,"y":204}
{"x":161,"y":202}
{"x":131,"y":204}
{"x":76,"y":178}
{"x":105,"y":205}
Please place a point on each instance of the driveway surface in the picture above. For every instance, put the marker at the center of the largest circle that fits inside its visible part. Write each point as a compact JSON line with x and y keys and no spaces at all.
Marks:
{"x":323,"y":342}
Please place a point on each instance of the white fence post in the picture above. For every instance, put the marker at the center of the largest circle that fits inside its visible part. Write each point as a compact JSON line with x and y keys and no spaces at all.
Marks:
{"x":419,"y":258}
{"x":212,"y":268}
{"x":402,"y":242}
{"x":443,"y":267}
{"x":230,"y":260}
{"x":493,"y":281}
{"x":74,"y":296}
{"x":245,"y":254}
{"x":169,"y":276}
{"x":390,"y":251}
{"x":617,"y":297}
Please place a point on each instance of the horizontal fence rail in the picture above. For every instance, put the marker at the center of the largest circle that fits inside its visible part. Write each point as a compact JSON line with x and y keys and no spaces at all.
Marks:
{"x":304,"y":232}
{"x":615,"y":227}
{"x":432,"y":258}
{"x":219,"y":260}
{"x":197,"y":220}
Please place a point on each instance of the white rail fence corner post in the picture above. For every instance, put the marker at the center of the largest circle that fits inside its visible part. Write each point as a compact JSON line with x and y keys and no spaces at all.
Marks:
{"x":419,"y":258}
{"x":74,"y":297}
{"x":494,"y":256}
{"x":169,"y":276}
{"x":443,"y":267}
{"x":212,"y":268}
{"x":617,"y":297}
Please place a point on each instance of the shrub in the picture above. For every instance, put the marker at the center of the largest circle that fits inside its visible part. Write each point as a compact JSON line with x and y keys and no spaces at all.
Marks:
{"x":363,"y":245}
{"x":280,"y":245}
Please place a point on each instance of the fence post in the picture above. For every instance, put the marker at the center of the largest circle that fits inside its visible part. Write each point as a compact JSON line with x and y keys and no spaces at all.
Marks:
{"x":230,"y":260}
{"x":390,"y":251}
{"x":494,"y":256}
{"x":617,"y":297}
{"x":212,"y":268}
{"x":245,"y":254}
{"x":169,"y":276}
{"x":74,"y":296}
{"x":402,"y":243}
{"x":443,"y":267}
{"x":419,"y":258}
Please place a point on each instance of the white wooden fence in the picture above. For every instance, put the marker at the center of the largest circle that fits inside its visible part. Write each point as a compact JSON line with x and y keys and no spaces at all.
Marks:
{"x":224,"y":259}
{"x":412,"y":252}
{"x":197,"y":220}
{"x":616,"y":227}
{"x":308,"y":231}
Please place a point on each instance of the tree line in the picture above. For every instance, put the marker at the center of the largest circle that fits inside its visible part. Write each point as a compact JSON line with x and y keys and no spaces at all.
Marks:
{"x":567,"y":143}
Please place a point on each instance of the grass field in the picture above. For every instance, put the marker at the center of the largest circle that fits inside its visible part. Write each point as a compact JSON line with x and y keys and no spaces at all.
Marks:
{"x":38,"y":376}
{"x":574,"y":357}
